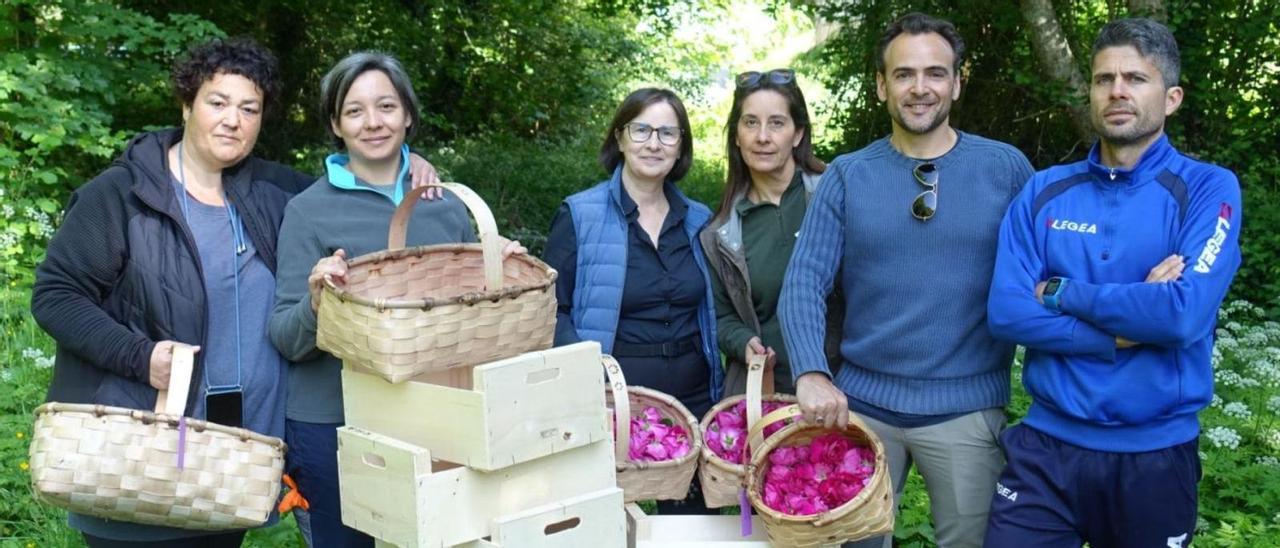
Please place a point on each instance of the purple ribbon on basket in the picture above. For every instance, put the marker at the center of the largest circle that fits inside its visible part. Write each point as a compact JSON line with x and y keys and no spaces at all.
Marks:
{"x":182,"y":442}
{"x":744,"y":504}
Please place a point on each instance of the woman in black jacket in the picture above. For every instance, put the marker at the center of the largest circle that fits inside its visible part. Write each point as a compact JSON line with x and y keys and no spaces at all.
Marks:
{"x":175,"y":244}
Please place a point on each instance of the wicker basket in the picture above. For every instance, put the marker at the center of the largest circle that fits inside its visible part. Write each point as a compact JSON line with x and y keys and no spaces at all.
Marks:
{"x":155,"y":468}
{"x":722,"y":480}
{"x":868,"y":514}
{"x":403,"y":312}
{"x":665,"y":480}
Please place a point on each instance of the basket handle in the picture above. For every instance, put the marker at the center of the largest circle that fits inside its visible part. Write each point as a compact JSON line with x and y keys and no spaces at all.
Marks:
{"x":757,"y":386}
{"x":173,"y":400}
{"x":489,"y":239}
{"x":755,"y":434}
{"x":621,"y":407}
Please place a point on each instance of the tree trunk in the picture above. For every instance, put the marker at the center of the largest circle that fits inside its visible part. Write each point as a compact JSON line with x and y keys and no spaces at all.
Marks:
{"x":1058,"y":62}
{"x":1149,"y":8}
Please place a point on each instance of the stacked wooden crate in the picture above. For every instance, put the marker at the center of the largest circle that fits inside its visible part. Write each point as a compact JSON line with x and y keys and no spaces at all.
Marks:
{"x":516,"y":452}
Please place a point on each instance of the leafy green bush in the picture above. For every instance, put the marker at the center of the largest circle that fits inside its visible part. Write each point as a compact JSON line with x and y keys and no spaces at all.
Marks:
{"x":74,"y":64}
{"x":1258,"y":280}
{"x":26,"y":360}
{"x":1240,"y":441}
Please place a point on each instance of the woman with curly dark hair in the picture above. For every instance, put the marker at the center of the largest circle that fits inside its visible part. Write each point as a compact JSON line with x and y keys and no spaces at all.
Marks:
{"x":175,"y":245}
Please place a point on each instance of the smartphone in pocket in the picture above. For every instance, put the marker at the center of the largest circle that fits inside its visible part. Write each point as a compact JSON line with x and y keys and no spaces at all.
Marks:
{"x":225,"y":407}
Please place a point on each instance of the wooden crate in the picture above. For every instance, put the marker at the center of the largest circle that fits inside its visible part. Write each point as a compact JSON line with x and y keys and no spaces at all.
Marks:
{"x":393,"y":491}
{"x":591,"y":520}
{"x":644,"y":531}
{"x":503,"y":413}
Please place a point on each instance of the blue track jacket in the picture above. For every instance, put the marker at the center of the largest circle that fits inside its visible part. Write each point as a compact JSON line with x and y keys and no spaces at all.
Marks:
{"x":1103,"y":230}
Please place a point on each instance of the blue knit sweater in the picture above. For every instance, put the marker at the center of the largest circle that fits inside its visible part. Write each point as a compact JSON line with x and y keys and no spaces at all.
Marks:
{"x":915,"y":329}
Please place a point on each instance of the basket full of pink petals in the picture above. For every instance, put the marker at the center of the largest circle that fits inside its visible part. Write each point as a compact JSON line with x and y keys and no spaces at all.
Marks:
{"x":656,"y":440}
{"x":815,"y":486}
{"x":724,"y":435}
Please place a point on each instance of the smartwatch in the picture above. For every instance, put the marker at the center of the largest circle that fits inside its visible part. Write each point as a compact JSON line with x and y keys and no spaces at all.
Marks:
{"x":1053,"y":292}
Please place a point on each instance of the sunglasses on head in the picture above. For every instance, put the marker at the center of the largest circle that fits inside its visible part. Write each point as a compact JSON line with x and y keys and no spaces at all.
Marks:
{"x":777,"y":77}
{"x":926,"y":203}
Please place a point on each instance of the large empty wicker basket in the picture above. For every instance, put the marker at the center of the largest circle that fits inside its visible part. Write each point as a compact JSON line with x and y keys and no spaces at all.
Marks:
{"x":155,"y":468}
{"x":403,"y":312}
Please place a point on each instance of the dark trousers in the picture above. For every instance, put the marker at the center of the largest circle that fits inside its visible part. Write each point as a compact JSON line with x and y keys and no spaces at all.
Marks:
{"x":1053,"y":494}
{"x":313,"y":464}
{"x":686,"y":378}
{"x":219,"y":540}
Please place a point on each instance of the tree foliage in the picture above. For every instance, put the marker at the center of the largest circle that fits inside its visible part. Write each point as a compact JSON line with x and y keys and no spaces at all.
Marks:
{"x":526,"y":68}
{"x":73,"y":75}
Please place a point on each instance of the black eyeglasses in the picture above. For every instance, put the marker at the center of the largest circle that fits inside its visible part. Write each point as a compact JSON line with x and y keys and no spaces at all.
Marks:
{"x":777,"y":77}
{"x":640,"y":133}
{"x":926,"y":203}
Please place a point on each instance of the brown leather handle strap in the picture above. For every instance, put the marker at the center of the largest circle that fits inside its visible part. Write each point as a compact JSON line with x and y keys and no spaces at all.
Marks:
{"x":490,"y":242}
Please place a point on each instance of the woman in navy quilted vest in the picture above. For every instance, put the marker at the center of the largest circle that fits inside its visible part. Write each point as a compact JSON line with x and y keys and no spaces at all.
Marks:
{"x":633,"y":275}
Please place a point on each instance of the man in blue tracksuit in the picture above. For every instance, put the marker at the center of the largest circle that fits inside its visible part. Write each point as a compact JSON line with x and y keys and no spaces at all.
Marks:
{"x":1110,"y":271}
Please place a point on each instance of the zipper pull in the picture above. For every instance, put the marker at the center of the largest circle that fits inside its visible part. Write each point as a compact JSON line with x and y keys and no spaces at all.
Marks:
{"x":1113,"y":174}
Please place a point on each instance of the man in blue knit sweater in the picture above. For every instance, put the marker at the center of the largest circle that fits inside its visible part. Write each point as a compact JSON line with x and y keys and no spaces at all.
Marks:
{"x":909,"y":226}
{"x":1111,"y":271}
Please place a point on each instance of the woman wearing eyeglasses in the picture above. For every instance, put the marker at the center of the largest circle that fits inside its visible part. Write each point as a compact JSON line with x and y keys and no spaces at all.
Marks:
{"x":632,"y":272}
{"x":772,"y":174}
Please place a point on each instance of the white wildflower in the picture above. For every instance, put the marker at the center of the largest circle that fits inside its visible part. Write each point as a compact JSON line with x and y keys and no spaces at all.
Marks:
{"x":1268,"y":460}
{"x":44,"y":362}
{"x":1266,"y":370}
{"x":1273,"y":404}
{"x":32,"y":353}
{"x":1227,"y":377}
{"x":1216,"y":401}
{"x":1238,"y":410}
{"x":1228,"y":343}
{"x":1222,"y":436}
{"x":1271,"y":438}
{"x":8,"y":211}
{"x":6,"y":375}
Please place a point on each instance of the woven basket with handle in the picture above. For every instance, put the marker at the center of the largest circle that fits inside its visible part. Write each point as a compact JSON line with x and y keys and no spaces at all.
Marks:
{"x":155,"y":468}
{"x":408,"y":311}
{"x":868,"y":514}
{"x":640,"y":480}
{"x":722,"y":480}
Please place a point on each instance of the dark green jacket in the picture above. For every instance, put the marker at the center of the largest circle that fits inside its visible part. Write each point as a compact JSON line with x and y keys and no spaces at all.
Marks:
{"x":723,"y":241}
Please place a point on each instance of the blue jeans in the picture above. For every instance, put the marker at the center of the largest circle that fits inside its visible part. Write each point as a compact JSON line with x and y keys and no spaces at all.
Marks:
{"x":312,"y":462}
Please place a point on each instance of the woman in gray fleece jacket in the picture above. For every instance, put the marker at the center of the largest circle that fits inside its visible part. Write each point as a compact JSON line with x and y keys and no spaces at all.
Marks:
{"x":372,"y":110}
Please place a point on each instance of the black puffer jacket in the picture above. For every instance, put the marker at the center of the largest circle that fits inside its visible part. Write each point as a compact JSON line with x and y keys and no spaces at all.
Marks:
{"x":122,"y":273}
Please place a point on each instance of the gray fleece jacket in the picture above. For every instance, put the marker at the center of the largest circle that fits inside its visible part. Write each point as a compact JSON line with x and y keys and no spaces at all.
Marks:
{"x":326,"y":217}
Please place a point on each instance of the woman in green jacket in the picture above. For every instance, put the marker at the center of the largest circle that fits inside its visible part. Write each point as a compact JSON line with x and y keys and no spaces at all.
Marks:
{"x":772,"y":173}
